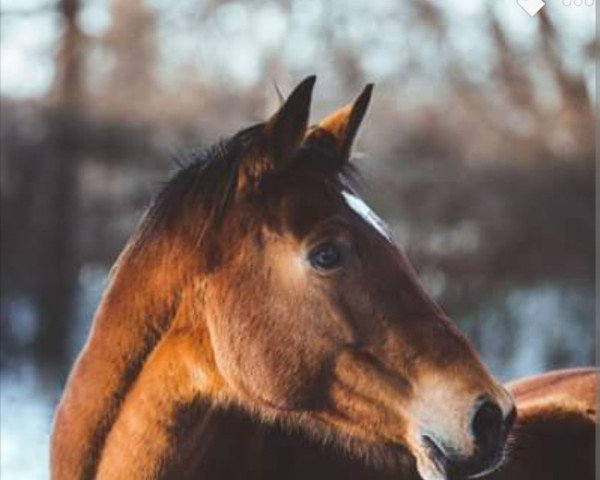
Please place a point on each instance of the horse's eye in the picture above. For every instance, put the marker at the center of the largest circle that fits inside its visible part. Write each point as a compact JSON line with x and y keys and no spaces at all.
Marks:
{"x":326,"y":256}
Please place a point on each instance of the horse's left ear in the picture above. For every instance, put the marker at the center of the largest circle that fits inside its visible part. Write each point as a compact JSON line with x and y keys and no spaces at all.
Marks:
{"x":287,"y":128}
{"x":283,"y":135}
{"x":342,"y":126}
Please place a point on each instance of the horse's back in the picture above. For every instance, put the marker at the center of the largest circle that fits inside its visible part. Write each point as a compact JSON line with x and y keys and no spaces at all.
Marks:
{"x":566,"y":390}
{"x":554,"y":438}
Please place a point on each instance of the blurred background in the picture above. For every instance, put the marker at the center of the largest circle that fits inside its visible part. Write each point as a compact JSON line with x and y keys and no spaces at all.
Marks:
{"x":479,"y":151}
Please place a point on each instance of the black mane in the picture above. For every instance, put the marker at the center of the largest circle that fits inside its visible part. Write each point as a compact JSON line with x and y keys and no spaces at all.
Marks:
{"x":207,"y":179}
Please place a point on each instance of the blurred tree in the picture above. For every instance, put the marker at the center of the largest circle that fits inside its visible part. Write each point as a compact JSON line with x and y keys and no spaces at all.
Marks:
{"x":131,"y":44}
{"x":58,"y":252}
{"x":487,"y":149}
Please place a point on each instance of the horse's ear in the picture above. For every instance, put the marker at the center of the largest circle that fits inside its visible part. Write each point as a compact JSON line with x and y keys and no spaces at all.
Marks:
{"x":286,"y":129}
{"x":342,"y":126}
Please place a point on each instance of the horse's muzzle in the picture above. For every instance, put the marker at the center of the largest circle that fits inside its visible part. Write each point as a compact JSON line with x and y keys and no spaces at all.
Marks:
{"x":489,"y":429}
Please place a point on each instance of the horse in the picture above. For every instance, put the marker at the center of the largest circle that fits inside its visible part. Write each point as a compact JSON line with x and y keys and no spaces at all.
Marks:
{"x":261,"y":324}
{"x":555,"y":433}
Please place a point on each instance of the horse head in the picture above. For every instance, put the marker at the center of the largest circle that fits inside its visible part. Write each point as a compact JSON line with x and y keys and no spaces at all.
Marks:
{"x":300,"y":308}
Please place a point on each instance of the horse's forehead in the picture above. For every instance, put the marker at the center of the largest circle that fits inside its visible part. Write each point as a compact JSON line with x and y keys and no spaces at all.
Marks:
{"x":309,"y":203}
{"x":301,"y":203}
{"x":359,"y":206}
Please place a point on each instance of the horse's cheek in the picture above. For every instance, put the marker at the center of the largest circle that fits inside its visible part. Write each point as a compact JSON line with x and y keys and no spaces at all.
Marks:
{"x":288,"y":376}
{"x":268,"y":363}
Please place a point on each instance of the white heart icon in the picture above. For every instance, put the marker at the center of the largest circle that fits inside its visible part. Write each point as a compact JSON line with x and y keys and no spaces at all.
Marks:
{"x":532,"y":7}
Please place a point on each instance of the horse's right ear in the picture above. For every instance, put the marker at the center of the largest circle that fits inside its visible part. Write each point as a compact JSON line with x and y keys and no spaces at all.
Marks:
{"x":339,"y":129}
{"x":287,"y":127}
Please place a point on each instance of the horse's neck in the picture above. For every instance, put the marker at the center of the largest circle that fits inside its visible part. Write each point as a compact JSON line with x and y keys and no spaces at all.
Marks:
{"x":150,"y":427}
{"x":194,"y":441}
{"x":167,"y":429}
{"x":136,"y":312}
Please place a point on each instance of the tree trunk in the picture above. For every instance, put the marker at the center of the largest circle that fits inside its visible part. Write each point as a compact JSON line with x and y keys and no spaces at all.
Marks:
{"x":59,"y":259}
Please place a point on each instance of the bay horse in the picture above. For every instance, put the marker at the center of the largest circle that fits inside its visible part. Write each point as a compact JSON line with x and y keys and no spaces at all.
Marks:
{"x":261,"y":324}
{"x":555,"y":434}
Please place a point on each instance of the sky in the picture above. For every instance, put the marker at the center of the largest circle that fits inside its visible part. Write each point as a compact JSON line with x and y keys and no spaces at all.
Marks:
{"x":240,"y":33}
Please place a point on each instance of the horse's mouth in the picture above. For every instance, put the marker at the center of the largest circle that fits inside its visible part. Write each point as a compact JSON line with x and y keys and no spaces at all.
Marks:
{"x":437,"y":457}
{"x":444,"y":466}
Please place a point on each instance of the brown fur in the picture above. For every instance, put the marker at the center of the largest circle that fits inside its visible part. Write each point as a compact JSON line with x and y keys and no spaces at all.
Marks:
{"x":218,"y":351}
{"x":554,"y":438}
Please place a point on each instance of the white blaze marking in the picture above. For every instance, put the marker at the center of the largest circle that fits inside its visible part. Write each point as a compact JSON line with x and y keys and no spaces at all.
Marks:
{"x":359,"y":206}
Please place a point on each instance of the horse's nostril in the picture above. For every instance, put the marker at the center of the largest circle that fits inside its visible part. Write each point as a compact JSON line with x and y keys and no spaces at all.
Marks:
{"x":488,"y":426}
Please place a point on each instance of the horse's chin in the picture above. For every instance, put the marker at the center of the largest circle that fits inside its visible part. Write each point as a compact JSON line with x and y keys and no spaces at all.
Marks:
{"x":432,"y":464}
{"x":431,"y":467}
